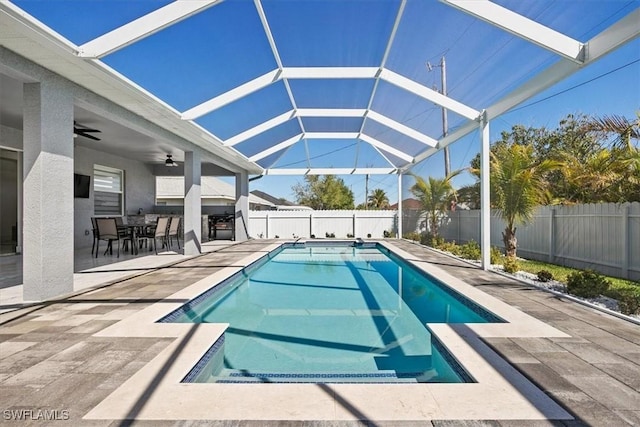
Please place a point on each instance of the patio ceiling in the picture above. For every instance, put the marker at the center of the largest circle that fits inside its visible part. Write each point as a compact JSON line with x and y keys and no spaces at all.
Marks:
{"x":339,"y":87}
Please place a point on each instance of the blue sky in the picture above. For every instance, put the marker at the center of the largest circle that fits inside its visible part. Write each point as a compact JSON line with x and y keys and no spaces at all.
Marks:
{"x":616,"y":93}
{"x":224,"y":46}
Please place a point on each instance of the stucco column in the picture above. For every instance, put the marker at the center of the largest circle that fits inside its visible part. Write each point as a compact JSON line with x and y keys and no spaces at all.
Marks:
{"x":485,"y":199}
{"x":399,"y":205}
{"x":242,"y":206}
{"x":192,"y":204}
{"x":48,"y":191}
{"x":20,"y":244}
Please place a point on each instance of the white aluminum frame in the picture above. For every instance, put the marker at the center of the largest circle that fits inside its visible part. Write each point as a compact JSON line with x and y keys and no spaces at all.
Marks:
{"x":574,"y":54}
{"x":143,"y":27}
{"x":522,"y":27}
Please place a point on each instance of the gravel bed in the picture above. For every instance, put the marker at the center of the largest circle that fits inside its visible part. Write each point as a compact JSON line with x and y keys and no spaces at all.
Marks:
{"x":553,"y":285}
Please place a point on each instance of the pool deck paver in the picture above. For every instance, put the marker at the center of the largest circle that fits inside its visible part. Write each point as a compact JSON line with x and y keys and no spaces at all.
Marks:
{"x":50,"y":358}
{"x":594,"y":374}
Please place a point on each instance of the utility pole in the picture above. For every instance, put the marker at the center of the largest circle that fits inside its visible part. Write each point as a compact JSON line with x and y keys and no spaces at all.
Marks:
{"x":445,"y":126}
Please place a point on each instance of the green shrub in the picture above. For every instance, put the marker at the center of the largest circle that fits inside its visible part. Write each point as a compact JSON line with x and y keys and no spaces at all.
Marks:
{"x":412,"y":236}
{"x":628,"y":298}
{"x":429,"y":239}
{"x":629,"y":301}
{"x":587,"y":284}
{"x":470,"y":250}
{"x":450,"y":247}
{"x":510,"y":264}
{"x":495,"y":256}
{"x":544,"y":276}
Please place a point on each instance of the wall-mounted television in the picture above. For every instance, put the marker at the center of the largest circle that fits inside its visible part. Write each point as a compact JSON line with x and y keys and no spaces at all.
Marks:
{"x":81,"y":186}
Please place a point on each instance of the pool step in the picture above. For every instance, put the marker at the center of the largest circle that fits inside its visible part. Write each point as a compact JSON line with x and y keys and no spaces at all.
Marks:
{"x":235,"y":376}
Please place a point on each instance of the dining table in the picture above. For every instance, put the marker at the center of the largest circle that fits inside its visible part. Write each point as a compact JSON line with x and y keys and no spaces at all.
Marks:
{"x":134,"y":233}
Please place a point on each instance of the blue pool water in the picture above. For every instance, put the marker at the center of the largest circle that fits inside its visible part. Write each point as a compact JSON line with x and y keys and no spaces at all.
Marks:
{"x":309,"y":313}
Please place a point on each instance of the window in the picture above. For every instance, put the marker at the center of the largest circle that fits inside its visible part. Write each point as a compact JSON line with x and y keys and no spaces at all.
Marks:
{"x":108,"y":190}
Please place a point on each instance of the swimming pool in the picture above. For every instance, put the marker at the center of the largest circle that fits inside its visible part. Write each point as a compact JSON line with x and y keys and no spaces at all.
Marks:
{"x":339,"y":312}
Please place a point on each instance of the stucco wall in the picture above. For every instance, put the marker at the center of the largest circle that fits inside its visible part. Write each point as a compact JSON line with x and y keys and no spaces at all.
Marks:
{"x":10,"y":137}
{"x":139,"y":185}
{"x":9,"y":202}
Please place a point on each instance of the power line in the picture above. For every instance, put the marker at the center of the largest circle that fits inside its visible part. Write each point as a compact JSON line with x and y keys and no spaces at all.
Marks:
{"x":319,"y":155}
{"x":556,"y":94}
{"x":576,"y":86}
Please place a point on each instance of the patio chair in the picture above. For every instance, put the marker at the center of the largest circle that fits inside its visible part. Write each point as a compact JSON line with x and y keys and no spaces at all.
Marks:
{"x":160,"y":231}
{"x":174,"y":228}
{"x":94,"y":231}
{"x":108,"y":231}
{"x":125,"y":233}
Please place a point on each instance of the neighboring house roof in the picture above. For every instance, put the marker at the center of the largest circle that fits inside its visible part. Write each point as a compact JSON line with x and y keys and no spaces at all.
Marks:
{"x":276,"y":201}
{"x":172,"y":187}
{"x":294,"y":208}
{"x":408,"y":204}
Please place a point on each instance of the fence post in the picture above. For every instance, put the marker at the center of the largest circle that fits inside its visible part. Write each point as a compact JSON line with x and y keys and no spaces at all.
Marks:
{"x":552,"y":235}
{"x":311,"y":224}
{"x":480,"y":226}
{"x":266,"y":226}
{"x":626,"y":246}
{"x":354,"y":224}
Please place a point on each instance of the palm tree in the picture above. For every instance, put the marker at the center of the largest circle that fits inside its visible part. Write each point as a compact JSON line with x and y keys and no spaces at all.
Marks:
{"x":592,"y":179}
{"x":435,"y":195}
{"x":378,"y":199}
{"x":518,"y":185}
{"x":624,"y":157}
{"x":623,"y":128}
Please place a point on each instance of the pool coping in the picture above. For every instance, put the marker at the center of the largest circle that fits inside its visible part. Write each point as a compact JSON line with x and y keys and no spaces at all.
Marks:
{"x":500,"y":392}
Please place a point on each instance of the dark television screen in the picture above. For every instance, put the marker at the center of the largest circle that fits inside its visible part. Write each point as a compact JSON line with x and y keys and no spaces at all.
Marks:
{"x":81,"y":186}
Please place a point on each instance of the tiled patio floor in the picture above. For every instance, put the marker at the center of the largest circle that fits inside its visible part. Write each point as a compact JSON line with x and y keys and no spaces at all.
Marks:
{"x":50,"y":360}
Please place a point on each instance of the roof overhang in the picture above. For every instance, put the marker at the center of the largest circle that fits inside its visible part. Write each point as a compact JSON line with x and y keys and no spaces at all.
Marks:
{"x":29,"y":38}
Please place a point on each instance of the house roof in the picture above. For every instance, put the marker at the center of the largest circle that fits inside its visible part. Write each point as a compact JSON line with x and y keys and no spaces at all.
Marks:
{"x":408,"y":203}
{"x":275,"y":200}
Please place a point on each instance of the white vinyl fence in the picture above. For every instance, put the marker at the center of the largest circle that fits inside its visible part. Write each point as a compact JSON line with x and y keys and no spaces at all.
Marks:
{"x":292,"y":224}
{"x":604,"y":237}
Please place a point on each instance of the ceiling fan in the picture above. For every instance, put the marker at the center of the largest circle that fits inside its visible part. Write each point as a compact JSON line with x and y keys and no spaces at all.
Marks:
{"x":81,"y":130}
{"x":170,"y":162}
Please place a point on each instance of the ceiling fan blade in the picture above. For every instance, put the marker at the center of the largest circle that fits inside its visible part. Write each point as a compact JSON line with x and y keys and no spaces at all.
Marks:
{"x":80,"y":128}
{"x":86,"y":135}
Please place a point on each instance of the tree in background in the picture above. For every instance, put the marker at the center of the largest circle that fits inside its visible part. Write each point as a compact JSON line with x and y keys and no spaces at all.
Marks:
{"x":600,"y":162}
{"x":580,"y":150}
{"x":322,"y":193}
{"x":624,"y":155}
{"x":378,"y":199}
{"x":434,"y":195}
{"x":623,"y":129}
